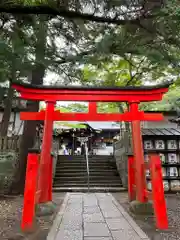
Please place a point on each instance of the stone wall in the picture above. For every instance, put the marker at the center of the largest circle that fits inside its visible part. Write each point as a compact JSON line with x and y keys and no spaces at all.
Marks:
{"x":55,"y":149}
{"x":121,"y":150}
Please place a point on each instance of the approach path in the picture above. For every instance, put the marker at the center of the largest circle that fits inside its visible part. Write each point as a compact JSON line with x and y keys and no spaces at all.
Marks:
{"x":94,"y":216}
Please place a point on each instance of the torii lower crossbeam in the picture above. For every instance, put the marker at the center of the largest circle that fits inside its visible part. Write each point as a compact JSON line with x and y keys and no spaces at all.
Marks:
{"x":100,"y":117}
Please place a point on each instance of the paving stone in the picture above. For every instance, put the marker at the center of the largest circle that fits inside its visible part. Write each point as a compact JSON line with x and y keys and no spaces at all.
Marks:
{"x":74,"y":194}
{"x":76,"y":202}
{"x":135,"y":226}
{"x":111,"y":214}
{"x":89,"y":197}
{"x":74,"y":209}
{"x":74,"y":205}
{"x":101,"y":195}
{"x":72,"y":214}
{"x":96,"y":230}
{"x":125,"y":234}
{"x":93,"y":217}
{"x":75,"y":199}
{"x":99,"y":217}
{"x":98,"y":238}
{"x":118,"y":223}
{"x":72,"y":223}
{"x":92,"y":209}
{"x":89,"y":203}
{"x":109,"y":208}
{"x":64,"y":234}
{"x":105,"y":199}
{"x":90,"y":200}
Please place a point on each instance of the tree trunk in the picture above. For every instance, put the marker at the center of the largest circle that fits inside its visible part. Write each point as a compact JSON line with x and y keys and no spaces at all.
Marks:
{"x":29,"y":131}
{"x":7,"y":112}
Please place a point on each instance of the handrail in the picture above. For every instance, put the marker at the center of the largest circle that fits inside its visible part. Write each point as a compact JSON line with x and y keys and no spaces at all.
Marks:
{"x":87,"y":163}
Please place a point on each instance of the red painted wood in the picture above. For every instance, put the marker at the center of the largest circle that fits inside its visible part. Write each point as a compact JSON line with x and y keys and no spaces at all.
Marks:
{"x":46,"y":152}
{"x":32,"y":115}
{"x":138,"y":160}
{"x":131,"y":179}
{"x":158,"y":197}
{"x":95,"y":91}
{"x":108,"y":95}
{"x":157,"y":194}
{"x":92,"y":107}
{"x":38,"y":191}
{"x":50,"y":181}
{"x":30,"y":192}
{"x":82,"y":97}
{"x":92,"y":116}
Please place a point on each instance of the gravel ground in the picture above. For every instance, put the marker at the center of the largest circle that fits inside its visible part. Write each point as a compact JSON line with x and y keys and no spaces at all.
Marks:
{"x":10,"y":219}
{"x":147,"y":223}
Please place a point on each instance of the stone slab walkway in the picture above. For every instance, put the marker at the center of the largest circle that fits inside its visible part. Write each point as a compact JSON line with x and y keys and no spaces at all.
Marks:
{"x":94,"y":216}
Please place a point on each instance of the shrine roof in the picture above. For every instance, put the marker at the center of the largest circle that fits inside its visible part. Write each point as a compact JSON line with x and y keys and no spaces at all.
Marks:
{"x":160,"y":132}
{"x":64,"y":87}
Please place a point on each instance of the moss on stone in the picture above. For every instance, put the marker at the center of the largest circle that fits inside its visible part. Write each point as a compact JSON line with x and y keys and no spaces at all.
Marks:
{"x":139,"y":208}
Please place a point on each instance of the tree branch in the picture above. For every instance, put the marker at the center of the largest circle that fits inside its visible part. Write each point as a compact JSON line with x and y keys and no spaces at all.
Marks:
{"x":43,"y":9}
{"x":73,"y":58}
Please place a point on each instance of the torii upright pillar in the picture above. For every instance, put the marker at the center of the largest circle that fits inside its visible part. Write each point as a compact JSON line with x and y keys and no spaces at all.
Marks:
{"x":138,"y":152}
{"x":46,"y":152}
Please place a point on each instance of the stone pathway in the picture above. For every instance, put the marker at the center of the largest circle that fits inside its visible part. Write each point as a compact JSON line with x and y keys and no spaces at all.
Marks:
{"x":94,"y":216}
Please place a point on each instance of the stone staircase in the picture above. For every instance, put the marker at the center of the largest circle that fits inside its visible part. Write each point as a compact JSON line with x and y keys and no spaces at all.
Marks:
{"x":71,"y":174}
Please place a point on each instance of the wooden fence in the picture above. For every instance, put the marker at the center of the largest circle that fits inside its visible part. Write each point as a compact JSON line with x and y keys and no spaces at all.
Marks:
{"x":7,"y":143}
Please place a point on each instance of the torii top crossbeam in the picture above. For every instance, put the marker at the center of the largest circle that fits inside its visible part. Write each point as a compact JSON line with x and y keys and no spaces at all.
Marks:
{"x":92,"y":94}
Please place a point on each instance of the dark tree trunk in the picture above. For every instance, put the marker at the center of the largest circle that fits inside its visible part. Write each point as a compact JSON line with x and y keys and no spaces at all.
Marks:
{"x":29,"y":131}
{"x":7,"y":112}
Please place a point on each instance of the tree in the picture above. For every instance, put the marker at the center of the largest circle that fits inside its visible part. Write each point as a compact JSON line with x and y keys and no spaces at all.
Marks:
{"x":122,"y":71}
{"x":170,"y":101}
{"x":110,"y":41}
{"x":98,"y":11}
{"x":47,"y":56}
{"x":13,"y":61}
{"x":38,"y":72}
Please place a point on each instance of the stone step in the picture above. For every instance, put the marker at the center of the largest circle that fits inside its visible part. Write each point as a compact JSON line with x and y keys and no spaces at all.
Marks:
{"x":70,"y":168}
{"x":83,"y":160}
{"x":86,"y":185}
{"x":104,"y":183}
{"x":84,"y":168}
{"x":84,"y":181}
{"x":95,"y":178}
{"x":70,"y":161}
{"x":82,"y":156}
{"x":71,"y":174}
{"x":72,"y":165}
{"x":80,"y":167}
{"x":84,"y":173}
{"x":76,"y":170}
{"x":91,"y":189}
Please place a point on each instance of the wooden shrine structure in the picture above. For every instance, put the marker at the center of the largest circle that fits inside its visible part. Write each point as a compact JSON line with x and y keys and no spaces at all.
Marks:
{"x":38,"y":186}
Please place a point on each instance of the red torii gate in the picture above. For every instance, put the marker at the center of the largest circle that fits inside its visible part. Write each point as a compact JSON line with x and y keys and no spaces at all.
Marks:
{"x":132,"y":95}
